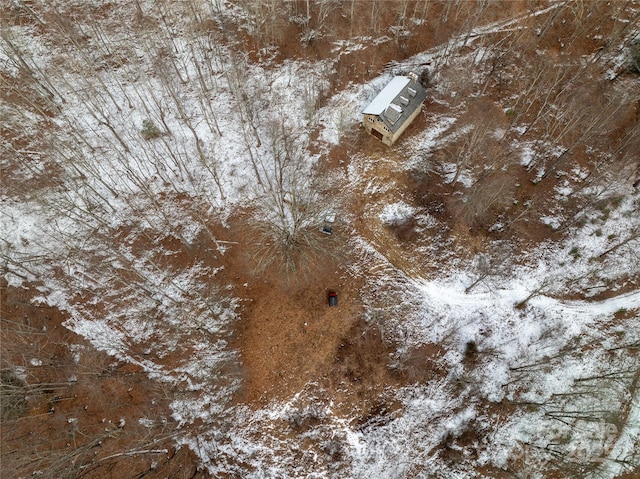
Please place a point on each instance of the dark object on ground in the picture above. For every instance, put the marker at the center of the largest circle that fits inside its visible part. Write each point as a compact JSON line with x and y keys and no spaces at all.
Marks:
{"x":333,"y":298}
{"x":327,"y":227}
{"x":425,"y":78}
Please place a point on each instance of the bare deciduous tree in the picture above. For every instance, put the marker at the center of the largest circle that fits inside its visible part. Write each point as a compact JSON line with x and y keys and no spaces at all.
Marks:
{"x":290,"y":205}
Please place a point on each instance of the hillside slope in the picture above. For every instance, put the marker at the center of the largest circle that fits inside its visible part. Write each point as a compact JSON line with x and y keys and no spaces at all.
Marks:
{"x":167,"y":167}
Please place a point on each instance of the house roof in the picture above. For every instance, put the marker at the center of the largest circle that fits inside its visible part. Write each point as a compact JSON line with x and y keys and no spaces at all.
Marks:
{"x":386,"y":96}
{"x":397,"y":101}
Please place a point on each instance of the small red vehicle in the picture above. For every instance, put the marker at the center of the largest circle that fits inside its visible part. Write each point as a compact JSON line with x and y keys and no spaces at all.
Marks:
{"x":333,"y":298}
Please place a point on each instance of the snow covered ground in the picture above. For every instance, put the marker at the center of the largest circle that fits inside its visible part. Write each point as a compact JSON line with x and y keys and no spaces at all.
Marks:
{"x":566,"y":370}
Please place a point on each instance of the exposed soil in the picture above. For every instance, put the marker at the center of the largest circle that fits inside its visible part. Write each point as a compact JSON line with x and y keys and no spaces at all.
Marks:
{"x":290,"y":339}
{"x":287,"y":334}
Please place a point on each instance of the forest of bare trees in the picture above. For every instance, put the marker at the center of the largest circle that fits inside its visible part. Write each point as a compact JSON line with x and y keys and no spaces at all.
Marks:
{"x":163,"y":162}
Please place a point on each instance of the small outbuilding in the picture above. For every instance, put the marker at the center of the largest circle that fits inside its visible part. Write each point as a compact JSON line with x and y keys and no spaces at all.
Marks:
{"x":395,"y":107}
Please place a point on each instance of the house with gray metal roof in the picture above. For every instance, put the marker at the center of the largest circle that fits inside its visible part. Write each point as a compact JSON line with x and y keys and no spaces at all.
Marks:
{"x":394,"y":108}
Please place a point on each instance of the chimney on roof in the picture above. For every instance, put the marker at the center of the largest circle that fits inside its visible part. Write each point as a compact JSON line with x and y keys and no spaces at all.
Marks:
{"x":413,"y":76}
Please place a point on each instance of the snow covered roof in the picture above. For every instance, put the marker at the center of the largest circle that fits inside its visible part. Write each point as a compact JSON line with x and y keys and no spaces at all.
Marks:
{"x":386,"y":96}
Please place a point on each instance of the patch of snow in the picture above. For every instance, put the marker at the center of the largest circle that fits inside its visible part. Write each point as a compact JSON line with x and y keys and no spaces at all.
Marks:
{"x":450,"y":170}
{"x":553,"y":221}
{"x":397,"y":213}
